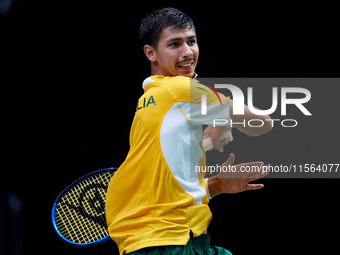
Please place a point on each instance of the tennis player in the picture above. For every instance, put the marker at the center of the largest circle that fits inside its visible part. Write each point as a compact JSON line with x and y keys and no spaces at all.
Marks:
{"x":154,"y":205}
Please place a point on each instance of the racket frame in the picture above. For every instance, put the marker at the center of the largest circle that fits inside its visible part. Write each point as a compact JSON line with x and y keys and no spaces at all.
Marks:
{"x":54,"y":210}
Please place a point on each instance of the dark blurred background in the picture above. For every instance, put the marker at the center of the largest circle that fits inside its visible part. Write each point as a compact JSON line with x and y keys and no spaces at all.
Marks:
{"x":71,"y":74}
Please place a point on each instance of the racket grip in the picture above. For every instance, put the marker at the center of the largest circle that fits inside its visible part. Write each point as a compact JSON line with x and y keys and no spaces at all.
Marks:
{"x":207,"y":143}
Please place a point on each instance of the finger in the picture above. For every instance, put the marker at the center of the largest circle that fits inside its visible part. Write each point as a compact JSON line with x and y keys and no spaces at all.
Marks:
{"x":254,"y":166}
{"x":254,"y":163}
{"x":262,"y":172}
{"x":231,"y":138}
{"x":227,"y":140}
{"x":254,"y":186}
{"x":224,"y":142}
{"x":230,"y":160}
{"x":217,"y":145}
{"x":257,"y":176}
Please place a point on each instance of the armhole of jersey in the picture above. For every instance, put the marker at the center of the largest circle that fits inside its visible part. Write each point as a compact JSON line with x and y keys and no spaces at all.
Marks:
{"x":179,"y":106}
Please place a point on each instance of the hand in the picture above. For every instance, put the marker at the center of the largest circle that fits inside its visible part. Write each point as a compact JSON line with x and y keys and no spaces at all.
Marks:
{"x":216,"y":134}
{"x":237,"y":181}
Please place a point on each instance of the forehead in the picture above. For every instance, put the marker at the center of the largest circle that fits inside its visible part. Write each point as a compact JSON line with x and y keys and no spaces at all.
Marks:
{"x":169,"y":34}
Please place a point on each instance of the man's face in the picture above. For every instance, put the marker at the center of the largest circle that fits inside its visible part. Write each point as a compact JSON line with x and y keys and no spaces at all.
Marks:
{"x":176,"y":53}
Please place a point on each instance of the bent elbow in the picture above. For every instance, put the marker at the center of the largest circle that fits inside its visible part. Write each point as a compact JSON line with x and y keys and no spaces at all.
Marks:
{"x":266,"y":127}
{"x":257,"y":130}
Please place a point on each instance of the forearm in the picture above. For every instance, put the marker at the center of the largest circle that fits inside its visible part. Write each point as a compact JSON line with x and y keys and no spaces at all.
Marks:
{"x":262,"y":124}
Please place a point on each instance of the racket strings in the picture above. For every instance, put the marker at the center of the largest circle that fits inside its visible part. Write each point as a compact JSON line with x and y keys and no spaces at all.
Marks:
{"x":80,"y":213}
{"x":100,"y":218}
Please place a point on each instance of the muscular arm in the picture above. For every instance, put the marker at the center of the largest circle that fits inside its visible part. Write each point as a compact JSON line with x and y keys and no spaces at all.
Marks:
{"x":240,"y":122}
{"x":248,"y":115}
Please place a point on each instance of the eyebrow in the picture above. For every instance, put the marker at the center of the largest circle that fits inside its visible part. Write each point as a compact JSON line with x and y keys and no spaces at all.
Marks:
{"x":180,"y":38}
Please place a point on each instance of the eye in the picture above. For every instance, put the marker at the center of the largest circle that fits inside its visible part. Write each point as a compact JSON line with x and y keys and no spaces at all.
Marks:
{"x":174,"y":44}
{"x":191,"y":42}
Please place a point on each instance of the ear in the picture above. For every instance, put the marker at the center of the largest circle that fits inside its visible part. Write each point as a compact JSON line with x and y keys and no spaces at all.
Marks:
{"x":150,"y":53}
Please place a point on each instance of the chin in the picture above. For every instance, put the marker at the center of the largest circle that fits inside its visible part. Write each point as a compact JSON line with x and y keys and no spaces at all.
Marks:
{"x":186,"y":72}
{"x":191,"y":74}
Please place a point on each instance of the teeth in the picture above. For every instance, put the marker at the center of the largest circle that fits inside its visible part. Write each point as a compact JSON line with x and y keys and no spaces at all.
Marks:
{"x":185,"y":65}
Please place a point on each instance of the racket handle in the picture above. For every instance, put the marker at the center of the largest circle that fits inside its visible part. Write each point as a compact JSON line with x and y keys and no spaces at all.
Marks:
{"x":207,"y":143}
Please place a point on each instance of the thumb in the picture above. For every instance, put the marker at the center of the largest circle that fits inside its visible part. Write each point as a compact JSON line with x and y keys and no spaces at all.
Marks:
{"x":217,"y":145}
{"x":230,"y":160}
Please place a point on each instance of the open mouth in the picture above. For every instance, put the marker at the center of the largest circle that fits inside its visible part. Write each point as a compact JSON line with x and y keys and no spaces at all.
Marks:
{"x":186,"y":65}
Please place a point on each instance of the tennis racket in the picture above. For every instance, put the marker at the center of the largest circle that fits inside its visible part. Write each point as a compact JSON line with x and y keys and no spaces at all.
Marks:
{"x":78,"y":214}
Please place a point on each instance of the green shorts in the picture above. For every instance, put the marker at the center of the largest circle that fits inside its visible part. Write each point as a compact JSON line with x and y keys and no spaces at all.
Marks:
{"x":196,"y":246}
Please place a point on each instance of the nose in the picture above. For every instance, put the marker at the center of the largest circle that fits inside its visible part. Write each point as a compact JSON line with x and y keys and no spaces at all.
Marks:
{"x":186,"y":51}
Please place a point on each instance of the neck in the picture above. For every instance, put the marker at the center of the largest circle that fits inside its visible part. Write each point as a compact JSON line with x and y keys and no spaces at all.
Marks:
{"x":157,"y":71}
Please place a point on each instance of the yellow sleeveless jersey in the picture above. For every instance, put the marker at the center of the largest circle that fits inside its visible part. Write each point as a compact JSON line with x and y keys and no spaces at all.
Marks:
{"x":155,"y":198}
